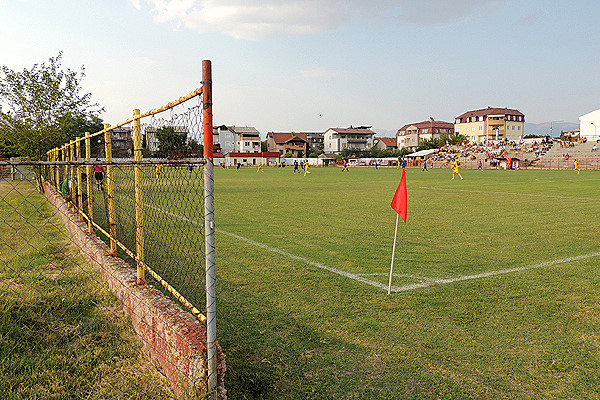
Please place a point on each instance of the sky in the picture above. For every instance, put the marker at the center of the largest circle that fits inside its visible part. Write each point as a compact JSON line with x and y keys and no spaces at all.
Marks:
{"x":310,"y":65}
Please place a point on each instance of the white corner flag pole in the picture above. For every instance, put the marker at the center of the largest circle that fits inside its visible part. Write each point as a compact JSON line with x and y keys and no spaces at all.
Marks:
{"x":393,"y":255}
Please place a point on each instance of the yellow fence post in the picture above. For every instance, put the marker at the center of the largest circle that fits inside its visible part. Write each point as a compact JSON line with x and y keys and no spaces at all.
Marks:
{"x":72,"y":172}
{"x":56,"y":170}
{"x":111,"y":191}
{"x":79,"y":181}
{"x":65,"y":169}
{"x":139,"y":205}
{"x":88,"y":171}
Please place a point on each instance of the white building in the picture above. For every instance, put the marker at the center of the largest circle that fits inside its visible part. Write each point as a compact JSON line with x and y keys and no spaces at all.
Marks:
{"x":337,"y":139}
{"x":589,"y":125}
{"x":242,"y":139}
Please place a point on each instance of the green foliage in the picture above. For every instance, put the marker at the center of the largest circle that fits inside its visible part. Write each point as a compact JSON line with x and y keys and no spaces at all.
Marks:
{"x":288,"y":155}
{"x":169,"y":139}
{"x":372,"y":153}
{"x":445,"y":138}
{"x":46,"y":108}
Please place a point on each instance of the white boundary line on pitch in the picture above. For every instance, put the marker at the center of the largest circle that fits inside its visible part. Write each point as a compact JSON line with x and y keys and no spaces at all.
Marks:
{"x":283,"y":253}
{"x":395,"y":289}
{"x":432,"y":281}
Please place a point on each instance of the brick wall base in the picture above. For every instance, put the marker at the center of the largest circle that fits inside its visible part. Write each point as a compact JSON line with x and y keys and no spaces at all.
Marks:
{"x":176,"y":339}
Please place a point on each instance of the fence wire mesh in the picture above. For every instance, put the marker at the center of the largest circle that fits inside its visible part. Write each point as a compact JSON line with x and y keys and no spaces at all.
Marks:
{"x":148,"y":211}
{"x":62,"y":332}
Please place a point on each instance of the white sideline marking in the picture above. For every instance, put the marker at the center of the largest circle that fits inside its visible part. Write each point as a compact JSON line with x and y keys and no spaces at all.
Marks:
{"x":284,"y":253}
{"x":356,"y":277}
{"x":395,"y":289}
{"x":492,"y":273}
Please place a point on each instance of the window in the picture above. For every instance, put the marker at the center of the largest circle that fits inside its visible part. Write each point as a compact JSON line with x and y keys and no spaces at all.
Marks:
{"x":519,"y":127}
{"x":246,"y":144}
{"x":480,"y":127}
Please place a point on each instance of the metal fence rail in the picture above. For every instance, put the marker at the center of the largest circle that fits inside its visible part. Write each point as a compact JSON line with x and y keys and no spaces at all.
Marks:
{"x":145,"y":187}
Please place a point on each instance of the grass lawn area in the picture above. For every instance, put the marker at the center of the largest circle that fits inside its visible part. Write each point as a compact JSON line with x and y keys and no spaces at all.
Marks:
{"x":293,"y":329}
{"x":62,"y":334}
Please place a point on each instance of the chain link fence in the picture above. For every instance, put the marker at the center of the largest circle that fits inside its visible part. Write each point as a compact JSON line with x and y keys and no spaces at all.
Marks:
{"x":122,"y":211}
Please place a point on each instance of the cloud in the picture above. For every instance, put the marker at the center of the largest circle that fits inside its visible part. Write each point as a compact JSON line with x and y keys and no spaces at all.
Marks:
{"x":257,"y":19}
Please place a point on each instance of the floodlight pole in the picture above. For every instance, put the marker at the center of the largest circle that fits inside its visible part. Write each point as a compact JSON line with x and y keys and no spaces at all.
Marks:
{"x":209,"y":230}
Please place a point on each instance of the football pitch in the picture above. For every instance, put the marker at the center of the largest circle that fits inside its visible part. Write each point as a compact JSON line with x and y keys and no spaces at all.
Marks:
{"x":495,"y":287}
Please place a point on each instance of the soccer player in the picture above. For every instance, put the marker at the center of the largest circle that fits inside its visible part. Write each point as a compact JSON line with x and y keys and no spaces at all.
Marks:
{"x":260,"y":168}
{"x":480,"y":166}
{"x":577,"y":166}
{"x":454,"y":166}
{"x":306,"y":171}
{"x":425,"y":166}
{"x":296,"y":167}
{"x":158,"y":170}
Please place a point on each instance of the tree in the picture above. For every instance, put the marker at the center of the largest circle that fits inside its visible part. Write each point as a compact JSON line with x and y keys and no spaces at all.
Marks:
{"x":169,"y":140}
{"x":46,"y":108}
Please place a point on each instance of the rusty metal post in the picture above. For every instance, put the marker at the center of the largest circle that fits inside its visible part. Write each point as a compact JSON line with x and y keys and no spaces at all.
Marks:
{"x":88,"y":170}
{"x":209,"y":230}
{"x":111,"y":191}
{"x":139,"y":205}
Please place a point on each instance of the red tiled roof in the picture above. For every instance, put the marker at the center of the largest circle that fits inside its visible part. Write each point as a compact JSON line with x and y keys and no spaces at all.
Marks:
{"x":389,"y":142}
{"x":491,"y":111}
{"x":428,"y":125}
{"x":285,"y":137}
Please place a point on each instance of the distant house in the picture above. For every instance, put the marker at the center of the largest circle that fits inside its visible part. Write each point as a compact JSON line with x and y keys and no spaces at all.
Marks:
{"x":337,"y":139}
{"x":236,"y":138}
{"x":385,"y":143}
{"x":252,"y":158}
{"x":122,"y":142}
{"x":480,"y":126}
{"x":247,"y":139}
{"x":589,"y":125}
{"x":411,"y":135}
{"x":223,"y":139}
{"x":283,"y":143}
{"x":315,"y":140}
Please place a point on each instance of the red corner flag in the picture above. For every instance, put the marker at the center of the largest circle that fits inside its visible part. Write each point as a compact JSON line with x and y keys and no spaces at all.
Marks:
{"x":399,"y":203}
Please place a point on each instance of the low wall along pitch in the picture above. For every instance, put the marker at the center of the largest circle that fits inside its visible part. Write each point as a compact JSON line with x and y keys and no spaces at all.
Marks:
{"x":175,"y":338}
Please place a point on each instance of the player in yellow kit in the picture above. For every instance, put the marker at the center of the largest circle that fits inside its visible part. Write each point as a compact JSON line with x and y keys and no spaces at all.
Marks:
{"x":260,"y":168}
{"x":577,"y":166}
{"x":306,"y":171}
{"x":454,"y":167}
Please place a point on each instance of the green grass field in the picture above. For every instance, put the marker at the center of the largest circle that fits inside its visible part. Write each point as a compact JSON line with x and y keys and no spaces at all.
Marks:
{"x":62,"y":333}
{"x":295,"y":327}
